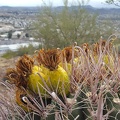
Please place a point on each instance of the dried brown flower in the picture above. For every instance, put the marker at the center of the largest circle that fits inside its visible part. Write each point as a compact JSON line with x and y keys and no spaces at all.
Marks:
{"x":101,"y":46}
{"x":67,"y":54}
{"x":16,"y":78}
{"x":24,"y":65}
{"x":49,"y":58}
{"x":85,"y":47}
{"x":23,"y":69}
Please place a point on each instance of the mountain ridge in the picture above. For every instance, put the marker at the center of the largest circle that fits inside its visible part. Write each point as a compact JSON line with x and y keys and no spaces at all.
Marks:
{"x":89,"y":8}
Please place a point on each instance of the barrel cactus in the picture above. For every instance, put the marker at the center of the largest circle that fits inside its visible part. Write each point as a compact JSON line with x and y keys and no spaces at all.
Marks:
{"x":88,"y":90}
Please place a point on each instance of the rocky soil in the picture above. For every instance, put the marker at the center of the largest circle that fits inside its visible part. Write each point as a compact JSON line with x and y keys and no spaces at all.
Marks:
{"x":7,"y":94}
{"x":4,"y":64}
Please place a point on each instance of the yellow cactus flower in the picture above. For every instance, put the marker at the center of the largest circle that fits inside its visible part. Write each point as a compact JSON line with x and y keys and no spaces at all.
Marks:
{"x":56,"y":77}
{"x":36,"y":69}
{"x":36,"y":81}
{"x":58,"y":80}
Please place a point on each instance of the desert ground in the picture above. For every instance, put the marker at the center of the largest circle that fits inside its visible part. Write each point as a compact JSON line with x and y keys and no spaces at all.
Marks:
{"x":4,"y":64}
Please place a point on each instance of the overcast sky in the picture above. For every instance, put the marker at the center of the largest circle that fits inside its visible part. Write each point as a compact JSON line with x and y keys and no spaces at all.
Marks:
{"x":94,"y":3}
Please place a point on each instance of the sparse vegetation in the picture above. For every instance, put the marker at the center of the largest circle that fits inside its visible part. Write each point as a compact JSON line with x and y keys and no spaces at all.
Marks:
{"x":21,"y":51}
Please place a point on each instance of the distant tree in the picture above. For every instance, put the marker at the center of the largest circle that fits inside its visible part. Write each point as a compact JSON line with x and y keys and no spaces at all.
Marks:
{"x":26,"y":35}
{"x":9,"y":34}
{"x":60,"y":28}
{"x":114,"y":2}
{"x":18,"y":35}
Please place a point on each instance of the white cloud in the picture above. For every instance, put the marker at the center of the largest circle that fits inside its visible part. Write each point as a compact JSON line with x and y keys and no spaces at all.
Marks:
{"x":94,"y":3}
{"x":20,"y":2}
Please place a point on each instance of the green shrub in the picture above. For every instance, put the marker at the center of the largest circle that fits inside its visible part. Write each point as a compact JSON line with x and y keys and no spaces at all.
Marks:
{"x":9,"y":54}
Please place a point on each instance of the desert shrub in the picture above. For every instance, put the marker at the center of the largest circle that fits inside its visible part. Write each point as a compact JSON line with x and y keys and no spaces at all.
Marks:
{"x":70,"y":23}
{"x":9,"y":54}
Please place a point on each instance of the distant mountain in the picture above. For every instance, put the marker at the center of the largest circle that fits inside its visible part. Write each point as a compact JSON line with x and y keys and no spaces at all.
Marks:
{"x":5,"y":7}
{"x":94,"y":10}
{"x":59,"y":8}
